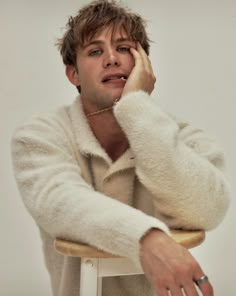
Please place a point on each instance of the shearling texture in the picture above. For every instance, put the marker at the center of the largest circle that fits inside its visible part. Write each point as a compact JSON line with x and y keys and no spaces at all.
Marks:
{"x":180,"y":166}
{"x":171,"y":176}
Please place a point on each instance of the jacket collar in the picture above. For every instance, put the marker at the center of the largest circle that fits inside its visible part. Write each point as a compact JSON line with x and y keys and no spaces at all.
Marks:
{"x":87,"y":143}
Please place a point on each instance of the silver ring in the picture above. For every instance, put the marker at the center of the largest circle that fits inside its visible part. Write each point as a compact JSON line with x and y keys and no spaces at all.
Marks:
{"x":202,"y":280}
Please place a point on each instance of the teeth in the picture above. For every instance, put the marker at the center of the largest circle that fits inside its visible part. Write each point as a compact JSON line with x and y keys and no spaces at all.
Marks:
{"x":115,"y":77}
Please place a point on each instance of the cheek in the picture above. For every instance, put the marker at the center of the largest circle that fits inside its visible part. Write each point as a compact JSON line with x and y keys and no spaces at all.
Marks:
{"x":85,"y":74}
{"x":87,"y":70}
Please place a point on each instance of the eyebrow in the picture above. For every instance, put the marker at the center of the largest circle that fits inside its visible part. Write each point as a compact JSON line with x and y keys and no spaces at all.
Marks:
{"x":100,"y":42}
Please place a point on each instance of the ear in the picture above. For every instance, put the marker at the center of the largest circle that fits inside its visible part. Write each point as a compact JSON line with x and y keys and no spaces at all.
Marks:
{"x":73,"y":75}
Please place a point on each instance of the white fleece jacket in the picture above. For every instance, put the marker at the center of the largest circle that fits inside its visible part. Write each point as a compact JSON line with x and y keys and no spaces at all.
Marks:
{"x":171,"y":176}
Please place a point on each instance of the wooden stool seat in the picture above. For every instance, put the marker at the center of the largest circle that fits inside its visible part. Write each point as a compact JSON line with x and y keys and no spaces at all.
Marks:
{"x":188,"y":239}
{"x":96,"y":264}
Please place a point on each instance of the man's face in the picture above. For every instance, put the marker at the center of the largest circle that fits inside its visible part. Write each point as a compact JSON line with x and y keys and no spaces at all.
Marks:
{"x":104,"y":64}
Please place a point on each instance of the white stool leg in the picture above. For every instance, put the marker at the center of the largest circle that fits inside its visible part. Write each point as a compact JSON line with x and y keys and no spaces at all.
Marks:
{"x":99,"y":286}
{"x":90,"y":284}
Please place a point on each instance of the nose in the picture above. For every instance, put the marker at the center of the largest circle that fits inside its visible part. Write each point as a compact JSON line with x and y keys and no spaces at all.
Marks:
{"x":111,"y":58}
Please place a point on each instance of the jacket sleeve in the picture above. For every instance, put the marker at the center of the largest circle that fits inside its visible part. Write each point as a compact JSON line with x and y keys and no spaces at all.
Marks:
{"x":181,"y":166}
{"x":62,"y":203}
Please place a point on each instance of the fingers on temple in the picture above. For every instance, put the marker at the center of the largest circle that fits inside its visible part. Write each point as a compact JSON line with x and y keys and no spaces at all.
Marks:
{"x":145,"y":58}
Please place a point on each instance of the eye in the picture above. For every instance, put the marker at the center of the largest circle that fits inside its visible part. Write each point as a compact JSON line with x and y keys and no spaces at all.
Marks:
{"x":95,"y":52}
{"x":123,"y":49}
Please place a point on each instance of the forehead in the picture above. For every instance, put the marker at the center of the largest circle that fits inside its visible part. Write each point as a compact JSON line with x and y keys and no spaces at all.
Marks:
{"x":110,"y":33}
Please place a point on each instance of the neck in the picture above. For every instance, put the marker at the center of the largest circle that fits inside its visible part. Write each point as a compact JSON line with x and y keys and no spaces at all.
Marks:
{"x":109,"y":133}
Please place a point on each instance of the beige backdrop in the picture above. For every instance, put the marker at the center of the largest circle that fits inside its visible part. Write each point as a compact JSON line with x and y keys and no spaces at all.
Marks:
{"x":194,"y":59}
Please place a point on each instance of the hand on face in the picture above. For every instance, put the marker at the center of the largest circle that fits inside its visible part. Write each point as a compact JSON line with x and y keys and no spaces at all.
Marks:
{"x":171,"y":268}
{"x":141,"y":76}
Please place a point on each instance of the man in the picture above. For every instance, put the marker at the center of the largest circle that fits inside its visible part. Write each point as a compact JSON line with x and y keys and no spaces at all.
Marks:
{"x":114,"y":170}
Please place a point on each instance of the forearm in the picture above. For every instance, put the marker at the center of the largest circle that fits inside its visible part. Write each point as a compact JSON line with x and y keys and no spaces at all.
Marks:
{"x":65,"y":206}
{"x":186,"y":183}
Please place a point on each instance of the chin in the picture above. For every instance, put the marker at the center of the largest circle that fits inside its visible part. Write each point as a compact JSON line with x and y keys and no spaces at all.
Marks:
{"x":117,"y":95}
{"x":112,"y":96}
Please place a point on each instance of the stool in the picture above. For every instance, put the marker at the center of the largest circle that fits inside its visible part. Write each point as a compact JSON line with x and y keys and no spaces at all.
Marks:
{"x":96,"y":264}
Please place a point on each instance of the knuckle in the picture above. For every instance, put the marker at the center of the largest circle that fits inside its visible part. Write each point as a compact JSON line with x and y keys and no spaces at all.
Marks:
{"x":164,"y":281}
{"x":157,"y":283}
{"x":183,"y":270}
{"x":195,"y":265}
{"x":192,"y":265}
{"x":149,"y":74}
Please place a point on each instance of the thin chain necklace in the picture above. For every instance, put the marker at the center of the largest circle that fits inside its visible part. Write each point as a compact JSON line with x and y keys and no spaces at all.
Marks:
{"x":102,"y":110}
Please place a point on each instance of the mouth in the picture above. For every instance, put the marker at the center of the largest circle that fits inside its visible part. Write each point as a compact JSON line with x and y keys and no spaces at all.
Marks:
{"x":115,"y":77}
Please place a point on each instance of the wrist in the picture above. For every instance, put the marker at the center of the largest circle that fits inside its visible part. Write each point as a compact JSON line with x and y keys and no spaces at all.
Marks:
{"x":151,"y":234}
